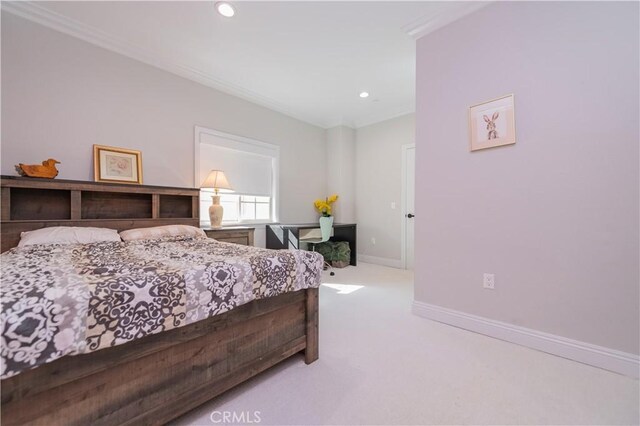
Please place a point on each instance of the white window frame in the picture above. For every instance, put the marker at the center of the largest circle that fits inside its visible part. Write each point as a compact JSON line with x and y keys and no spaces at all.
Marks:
{"x":255,"y":203}
{"x":252,"y":146}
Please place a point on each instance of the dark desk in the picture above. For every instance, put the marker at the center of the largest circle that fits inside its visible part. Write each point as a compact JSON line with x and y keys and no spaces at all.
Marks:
{"x":286,"y":236}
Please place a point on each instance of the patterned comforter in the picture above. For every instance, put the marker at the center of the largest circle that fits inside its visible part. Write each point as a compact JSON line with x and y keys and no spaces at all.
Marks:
{"x":59,"y":300}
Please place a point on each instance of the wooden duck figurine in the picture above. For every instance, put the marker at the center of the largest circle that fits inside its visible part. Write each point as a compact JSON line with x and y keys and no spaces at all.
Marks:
{"x":46,"y":170}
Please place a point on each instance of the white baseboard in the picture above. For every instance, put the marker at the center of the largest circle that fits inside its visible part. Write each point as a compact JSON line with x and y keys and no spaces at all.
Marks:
{"x":384,"y":261}
{"x":597,"y":356}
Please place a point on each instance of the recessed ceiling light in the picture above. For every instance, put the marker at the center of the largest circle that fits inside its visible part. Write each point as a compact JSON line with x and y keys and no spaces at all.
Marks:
{"x":225,"y":9}
{"x":364,"y":94}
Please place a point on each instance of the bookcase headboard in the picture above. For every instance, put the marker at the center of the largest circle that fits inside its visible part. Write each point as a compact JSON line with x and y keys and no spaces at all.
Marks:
{"x":31,"y":203}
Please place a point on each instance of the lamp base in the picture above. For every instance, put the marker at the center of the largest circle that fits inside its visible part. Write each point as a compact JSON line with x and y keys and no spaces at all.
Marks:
{"x":215,"y":212}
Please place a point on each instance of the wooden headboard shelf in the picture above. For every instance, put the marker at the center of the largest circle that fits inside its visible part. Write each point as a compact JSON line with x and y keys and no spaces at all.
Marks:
{"x":32,"y":203}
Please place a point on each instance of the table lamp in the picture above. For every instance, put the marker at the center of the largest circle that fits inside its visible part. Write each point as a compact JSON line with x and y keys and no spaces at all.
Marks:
{"x":216,"y":181}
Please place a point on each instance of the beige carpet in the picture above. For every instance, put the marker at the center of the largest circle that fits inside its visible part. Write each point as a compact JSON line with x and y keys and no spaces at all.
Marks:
{"x":379,"y":364}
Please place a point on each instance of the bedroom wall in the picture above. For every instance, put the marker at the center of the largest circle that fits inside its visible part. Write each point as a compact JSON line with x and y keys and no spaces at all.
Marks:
{"x":61,"y":95}
{"x":341,"y":165}
{"x":555,"y":216}
{"x":378,"y":184}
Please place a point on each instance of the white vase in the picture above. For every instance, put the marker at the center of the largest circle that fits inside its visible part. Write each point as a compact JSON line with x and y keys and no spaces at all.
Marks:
{"x":326,"y":223}
{"x":215,"y":212}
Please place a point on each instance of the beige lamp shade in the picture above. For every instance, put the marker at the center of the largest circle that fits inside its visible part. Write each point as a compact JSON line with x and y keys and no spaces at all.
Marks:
{"x":216,"y":180}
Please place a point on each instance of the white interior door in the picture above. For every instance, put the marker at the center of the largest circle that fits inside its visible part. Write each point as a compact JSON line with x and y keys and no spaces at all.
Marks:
{"x":409,"y":177}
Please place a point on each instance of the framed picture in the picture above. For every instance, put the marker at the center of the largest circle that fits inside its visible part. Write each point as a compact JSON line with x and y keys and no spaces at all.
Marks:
{"x":111,"y":164}
{"x":492,"y":123}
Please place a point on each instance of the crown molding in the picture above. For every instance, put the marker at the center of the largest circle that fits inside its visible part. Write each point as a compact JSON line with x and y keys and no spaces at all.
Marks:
{"x":341,"y":124}
{"x":425,"y":25}
{"x":371,"y":119}
{"x":58,"y":22}
{"x":66,"y":25}
{"x":380,"y":118}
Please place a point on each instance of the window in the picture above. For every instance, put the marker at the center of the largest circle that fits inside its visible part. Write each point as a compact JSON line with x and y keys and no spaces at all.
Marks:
{"x":255,"y":208}
{"x":237,"y":208}
{"x":252,"y":170}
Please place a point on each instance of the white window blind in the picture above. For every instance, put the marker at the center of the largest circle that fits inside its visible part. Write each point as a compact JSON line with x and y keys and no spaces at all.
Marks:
{"x":251,"y":168}
{"x":247,"y":173}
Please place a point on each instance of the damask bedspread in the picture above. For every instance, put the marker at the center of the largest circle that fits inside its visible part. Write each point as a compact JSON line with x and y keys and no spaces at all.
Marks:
{"x":62,"y":300}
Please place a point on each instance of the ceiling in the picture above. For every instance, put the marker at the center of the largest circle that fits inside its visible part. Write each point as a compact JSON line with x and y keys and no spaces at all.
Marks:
{"x":309,"y":60}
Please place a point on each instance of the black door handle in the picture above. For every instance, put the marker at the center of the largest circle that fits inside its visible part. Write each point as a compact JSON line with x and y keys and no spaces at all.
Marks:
{"x":411,"y":215}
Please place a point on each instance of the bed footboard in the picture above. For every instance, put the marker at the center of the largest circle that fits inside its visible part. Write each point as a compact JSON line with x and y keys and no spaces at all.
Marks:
{"x":160,"y":377}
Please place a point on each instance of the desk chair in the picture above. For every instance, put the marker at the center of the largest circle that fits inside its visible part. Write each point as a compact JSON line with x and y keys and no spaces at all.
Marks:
{"x":326,"y":234}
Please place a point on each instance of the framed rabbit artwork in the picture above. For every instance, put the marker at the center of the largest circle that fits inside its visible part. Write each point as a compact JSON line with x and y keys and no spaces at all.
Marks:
{"x":492,"y":123}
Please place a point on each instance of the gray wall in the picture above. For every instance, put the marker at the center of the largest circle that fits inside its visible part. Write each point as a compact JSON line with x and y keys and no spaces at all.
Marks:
{"x":341,"y":171}
{"x":555,"y":217}
{"x":378,"y":184}
{"x":61,"y":95}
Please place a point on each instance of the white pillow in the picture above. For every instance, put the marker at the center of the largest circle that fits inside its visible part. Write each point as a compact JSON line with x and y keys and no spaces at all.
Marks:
{"x":162,"y":231}
{"x":67,"y":235}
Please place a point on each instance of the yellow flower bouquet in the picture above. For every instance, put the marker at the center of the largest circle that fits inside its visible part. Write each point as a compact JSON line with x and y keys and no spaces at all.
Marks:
{"x":324,"y":206}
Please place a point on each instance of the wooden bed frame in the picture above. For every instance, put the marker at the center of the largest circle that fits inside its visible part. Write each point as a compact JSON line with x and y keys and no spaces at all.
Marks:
{"x":160,"y":377}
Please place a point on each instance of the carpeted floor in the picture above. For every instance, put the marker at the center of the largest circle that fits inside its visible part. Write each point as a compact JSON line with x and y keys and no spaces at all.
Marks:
{"x":379,"y":364}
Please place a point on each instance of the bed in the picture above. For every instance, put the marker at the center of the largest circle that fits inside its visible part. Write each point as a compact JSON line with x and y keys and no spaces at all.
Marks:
{"x":220,"y":314}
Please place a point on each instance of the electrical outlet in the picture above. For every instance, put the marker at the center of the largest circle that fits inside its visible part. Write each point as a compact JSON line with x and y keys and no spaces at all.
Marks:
{"x":373,"y":241}
{"x":489,"y":281}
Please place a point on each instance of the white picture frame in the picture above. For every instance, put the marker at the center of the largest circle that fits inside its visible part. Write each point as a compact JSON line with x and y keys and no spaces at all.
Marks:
{"x":492,"y":123}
